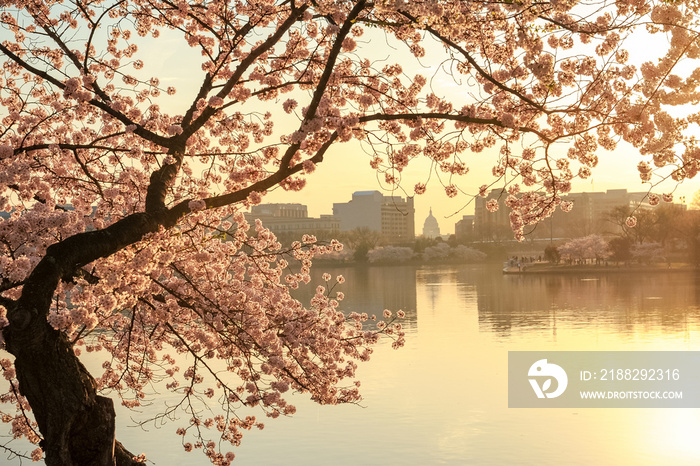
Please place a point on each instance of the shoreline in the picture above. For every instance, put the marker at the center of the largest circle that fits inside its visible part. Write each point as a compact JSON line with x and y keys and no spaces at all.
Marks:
{"x":597,"y":269}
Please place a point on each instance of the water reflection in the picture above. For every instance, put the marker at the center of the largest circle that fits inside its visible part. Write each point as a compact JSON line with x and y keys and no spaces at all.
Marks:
{"x":446,"y":392}
{"x":370,"y":290}
{"x":625,"y":304}
{"x":443,"y":398}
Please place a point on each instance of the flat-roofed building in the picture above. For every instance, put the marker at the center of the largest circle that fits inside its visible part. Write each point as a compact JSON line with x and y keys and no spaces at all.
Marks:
{"x":392,"y":216}
{"x":290,"y":221}
{"x":464,"y":229}
{"x":590,"y":214}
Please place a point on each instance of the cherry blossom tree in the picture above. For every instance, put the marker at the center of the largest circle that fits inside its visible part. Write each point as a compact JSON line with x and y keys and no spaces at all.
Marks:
{"x":360,"y":241}
{"x":390,"y":254}
{"x":585,"y":248}
{"x":460,"y":253}
{"x":124,"y":196}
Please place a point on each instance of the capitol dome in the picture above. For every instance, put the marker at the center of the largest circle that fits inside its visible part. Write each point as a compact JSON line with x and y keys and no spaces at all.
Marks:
{"x":431,"y":229}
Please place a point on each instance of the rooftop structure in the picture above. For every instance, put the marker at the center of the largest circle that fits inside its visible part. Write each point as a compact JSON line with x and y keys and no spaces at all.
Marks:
{"x":392,"y":216}
{"x":591,"y":214}
{"x":431,"y":228}
{"x":291,"y":221}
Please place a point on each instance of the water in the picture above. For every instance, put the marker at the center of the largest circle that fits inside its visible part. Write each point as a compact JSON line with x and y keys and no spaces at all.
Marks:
{"x":442,"y":399}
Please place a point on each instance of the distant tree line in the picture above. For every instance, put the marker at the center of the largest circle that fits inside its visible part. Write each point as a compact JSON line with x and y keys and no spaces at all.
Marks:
{"x":664,"y":234}
{"x":363,"y":245}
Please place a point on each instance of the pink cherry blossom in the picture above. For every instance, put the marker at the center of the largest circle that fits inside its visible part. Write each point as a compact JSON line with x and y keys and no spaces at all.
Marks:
{"x":197,"y":205}
{"x":154,"y":258}
{"x":174,"y":130}
{"x":6,"y":151}
{"x":289,"y":105}
{"x":216,"y":102}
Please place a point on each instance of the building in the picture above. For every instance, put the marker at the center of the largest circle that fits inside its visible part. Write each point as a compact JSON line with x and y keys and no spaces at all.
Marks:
{"x":290,"y":221}
{"x":392,"y":216}
{"x":464,"y":229}
{"x":431,"y":228}
{"x":591,"y":214}
{"x":491,"y":226}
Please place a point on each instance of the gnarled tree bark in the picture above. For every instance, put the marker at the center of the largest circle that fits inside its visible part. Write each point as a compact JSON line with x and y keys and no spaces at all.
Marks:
{"x":78,"y":425}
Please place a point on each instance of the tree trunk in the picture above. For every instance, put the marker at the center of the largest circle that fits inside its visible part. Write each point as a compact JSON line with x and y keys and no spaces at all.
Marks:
{"x":77,"y":424}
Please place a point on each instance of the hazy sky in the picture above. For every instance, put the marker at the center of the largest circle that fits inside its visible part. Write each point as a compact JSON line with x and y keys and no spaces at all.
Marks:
{"x":346,"y":168}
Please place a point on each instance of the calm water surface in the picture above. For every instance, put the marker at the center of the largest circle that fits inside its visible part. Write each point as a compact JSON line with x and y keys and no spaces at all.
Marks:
{"x":442,"y":399}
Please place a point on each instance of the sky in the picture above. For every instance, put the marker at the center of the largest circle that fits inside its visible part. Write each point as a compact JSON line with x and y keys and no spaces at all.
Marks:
{"x":346,"y":169}
{"x":335,"y":180}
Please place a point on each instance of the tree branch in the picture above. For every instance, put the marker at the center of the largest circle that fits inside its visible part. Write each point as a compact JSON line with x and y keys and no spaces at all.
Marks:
{"x":140,"y":130}
{"x":243,"y":67}
{"x":452,"y":117}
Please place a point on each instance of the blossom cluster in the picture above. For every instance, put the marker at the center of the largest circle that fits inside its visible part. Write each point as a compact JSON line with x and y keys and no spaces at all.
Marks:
{"x":218,"y":293}
{"x":92,"y":137}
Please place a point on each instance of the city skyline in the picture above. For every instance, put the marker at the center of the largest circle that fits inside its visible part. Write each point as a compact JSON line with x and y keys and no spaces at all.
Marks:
{"x":345,"y":168}
{"x":324,"y":189}
{"x":446,"y":225}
